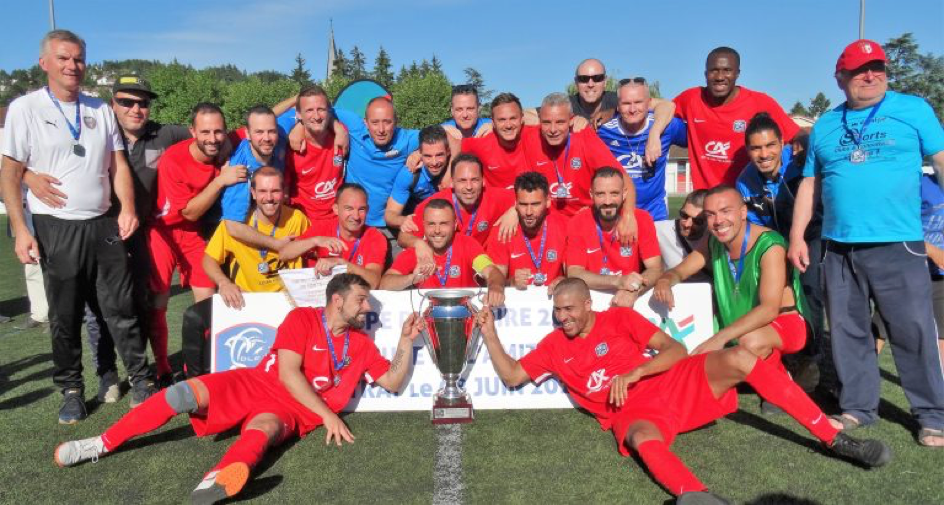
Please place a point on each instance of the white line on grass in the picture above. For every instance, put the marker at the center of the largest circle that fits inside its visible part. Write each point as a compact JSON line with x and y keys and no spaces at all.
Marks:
{"x":447,"y":475}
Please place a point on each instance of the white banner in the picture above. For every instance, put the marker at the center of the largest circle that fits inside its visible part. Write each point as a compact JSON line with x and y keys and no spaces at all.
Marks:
{"x":240,"y":338}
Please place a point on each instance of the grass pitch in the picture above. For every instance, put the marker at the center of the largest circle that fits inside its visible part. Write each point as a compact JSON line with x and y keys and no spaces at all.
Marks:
{"x":539,"y":457}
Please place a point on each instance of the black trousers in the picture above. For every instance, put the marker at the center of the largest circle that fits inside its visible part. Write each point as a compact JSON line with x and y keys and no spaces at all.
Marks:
{"x":86,"y":262}
{"x":194,"y":335}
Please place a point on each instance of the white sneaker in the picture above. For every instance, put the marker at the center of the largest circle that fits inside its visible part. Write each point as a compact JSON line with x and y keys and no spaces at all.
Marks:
{"x":79,"y":451}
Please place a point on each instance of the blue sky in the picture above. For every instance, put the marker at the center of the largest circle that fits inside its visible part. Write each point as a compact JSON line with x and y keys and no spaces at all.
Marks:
{"x":788,"y":49}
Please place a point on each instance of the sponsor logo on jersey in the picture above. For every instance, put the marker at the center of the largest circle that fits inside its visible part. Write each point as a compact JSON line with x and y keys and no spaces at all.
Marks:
{"x":717,"y":150}
{"x":514,"y":256}
{"x":597,"y":381}
{"x":90,"y":122}
{"x":243,"y":345}
{"x":325,"y":190}
{"x":393,"y":153}
{"x":320,"y":382}
{"x":614,"y":143}
{"x":568,"y":186}
{"x":740,"y":125}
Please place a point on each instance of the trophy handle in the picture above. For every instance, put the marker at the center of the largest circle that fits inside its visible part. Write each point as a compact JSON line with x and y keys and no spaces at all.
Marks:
{"x":427,"y":337}
{"x":473,"y":345}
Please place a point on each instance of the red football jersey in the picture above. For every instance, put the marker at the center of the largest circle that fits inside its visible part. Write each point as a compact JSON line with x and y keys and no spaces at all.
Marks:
{"x":312,"y":179}
{"x":459,"y":272}
{"x":179,"y":179}
{"x":716,"y":134}
{"x":371,"y":249}
{"x":574,"y":165}
{"x":584,"y":247}
{"x":493,"y":203}
{"x":303,"y":331}
{"x":615,"y":345}
{"x":515,"y":254}
{"x":500,"y":165}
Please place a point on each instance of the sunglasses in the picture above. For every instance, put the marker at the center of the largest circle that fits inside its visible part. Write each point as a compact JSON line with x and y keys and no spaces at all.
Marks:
{"x":131,"y":102}
{"x":635,"y":80}
{"x":583,"y":79}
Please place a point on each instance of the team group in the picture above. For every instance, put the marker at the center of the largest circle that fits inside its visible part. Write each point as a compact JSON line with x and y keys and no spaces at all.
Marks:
{"x":570,"y":196}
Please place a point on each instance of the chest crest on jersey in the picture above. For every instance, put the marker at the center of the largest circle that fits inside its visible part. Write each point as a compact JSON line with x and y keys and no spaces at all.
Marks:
{"x":552,"y":255}
{"x":601,"y":349}
{"x":626,"y":251}
{"x":455,"y":271}
{"x":739,"y":125}
{"x":575,"y":163}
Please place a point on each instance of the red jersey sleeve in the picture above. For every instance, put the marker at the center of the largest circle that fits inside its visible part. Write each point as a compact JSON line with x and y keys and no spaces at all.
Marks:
{"x":293,"y":333}
{"x":497,"y":250}
{"x":598,"y":155}
{"x":576,"y":243}
{"x":374,"y":248}
{"x":405,"y":262}
{"x":681,"y":103}
{"x":375,"y":364}
{"x":538,"y":364}
{"x":646,"y":231}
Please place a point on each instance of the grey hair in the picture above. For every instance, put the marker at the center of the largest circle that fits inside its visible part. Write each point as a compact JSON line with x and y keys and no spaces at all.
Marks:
{"x":63,"y":35}
{"x":556,"y":100}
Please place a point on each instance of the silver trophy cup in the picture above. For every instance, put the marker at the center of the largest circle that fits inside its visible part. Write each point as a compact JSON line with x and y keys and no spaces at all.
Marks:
{"x":452,"y":341}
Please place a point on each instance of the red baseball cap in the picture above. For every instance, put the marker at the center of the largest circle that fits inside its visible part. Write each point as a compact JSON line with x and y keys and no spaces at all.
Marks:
{"x":859,"y":53}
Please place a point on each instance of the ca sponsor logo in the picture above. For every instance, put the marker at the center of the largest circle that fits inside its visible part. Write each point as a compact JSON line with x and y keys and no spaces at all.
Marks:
{"x":597,"y":381}
{"x":632,"y":162}
{"x":325,"y":190}
{"x":319,"y":382}
{"x":566,"y":185}
{"x":717,"y":149}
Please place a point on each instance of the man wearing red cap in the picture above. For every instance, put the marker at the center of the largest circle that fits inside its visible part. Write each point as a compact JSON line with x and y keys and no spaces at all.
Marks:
{"x":865,"y":155}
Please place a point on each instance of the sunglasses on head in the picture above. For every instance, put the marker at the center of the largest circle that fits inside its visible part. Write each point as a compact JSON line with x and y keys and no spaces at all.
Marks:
{"x":583,"y":79}
{"x":131,"y":102}
{"x":635,"y":80}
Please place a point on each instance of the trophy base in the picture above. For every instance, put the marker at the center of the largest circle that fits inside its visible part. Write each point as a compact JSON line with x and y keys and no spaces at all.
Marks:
{"x":452,"y":412}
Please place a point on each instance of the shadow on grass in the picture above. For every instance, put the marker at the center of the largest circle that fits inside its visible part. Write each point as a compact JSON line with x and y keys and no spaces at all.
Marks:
{"x":25,"y":399}
{"x":759,"y":423}
{"x":888,"y":411}
{"x":256,"y":488}
{"x":780,"y":499}
{"x":22,"y":363}
{"x":41,"y":375}
{"x":890,"y":377}
{"x":14,"y":306}
{"x":178,"y":433}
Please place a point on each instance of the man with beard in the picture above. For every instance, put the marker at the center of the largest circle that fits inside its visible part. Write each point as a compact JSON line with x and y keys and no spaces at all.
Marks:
{"x":759,"y":299}
{"x":716,"y":117}
{"x":344,"y":240}
{"x":628,"y":137}
{"x":597,"y":257}
{"x":189,"y":181}
{"x":459,"y":261}
{"x":248,"y":268}
{"x":534,"y":256}
{"x":292,"y":391}
{"x":605,"y":361}
{"x":679,"y":237}
{"x":412,"y":187}
{"x":263,"y":146}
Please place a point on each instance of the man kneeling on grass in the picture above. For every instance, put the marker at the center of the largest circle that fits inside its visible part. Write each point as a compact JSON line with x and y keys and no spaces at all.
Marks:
{"x":601,"y":358}
{"x":293,"y":390}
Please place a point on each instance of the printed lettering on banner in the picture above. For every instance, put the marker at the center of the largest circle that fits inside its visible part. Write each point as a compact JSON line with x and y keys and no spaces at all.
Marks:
{"x":526,"y":318}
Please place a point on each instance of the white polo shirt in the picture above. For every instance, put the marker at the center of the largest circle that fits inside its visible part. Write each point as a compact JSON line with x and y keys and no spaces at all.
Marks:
{"x":36,"y":134}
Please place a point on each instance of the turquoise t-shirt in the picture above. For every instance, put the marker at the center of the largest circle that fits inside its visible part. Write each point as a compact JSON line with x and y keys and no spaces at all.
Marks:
{"x":879,"y":199}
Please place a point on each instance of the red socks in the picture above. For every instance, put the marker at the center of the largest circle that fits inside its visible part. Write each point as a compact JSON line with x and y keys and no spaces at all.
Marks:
{"x":248,"y":449}
{"x":777,"y":388}
{"x":667,"y":469}
{"x":158,"y":338}
{"x":149,"y":416}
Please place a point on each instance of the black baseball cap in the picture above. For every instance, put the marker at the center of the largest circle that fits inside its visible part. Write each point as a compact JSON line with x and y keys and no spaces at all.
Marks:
{"x":132,"y":82}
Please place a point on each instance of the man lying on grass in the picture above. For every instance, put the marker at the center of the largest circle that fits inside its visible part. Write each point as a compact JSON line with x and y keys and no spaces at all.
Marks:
{"x":304,"y":381}
{"x":602,"y":359}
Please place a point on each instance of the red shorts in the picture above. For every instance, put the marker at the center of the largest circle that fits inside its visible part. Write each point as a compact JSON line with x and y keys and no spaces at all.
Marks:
{"x":236,"y":396}
{"x":792,"y":329}
{"x":183,"y":249}
{"x":676,"y":401}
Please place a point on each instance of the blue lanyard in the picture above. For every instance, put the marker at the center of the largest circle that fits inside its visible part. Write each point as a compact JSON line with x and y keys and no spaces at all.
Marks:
{"x":527,"y":243}
{"x":468,"y":230}
{"x":255,"y":224}
{"x":736,"y":272}
{"x":77,"y":129}
{"x":357,"y":244}
{"x":602,"y":249}
{"x":445,"y":272}
{"x":338,"y":363}
{"x":858,"y":135}
{"x":560,"y":177}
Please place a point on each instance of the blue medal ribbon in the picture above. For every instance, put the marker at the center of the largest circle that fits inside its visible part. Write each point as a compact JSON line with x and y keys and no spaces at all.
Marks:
{"x":737,"y":271}
{"x":858,"y":135}
{"x":560,"y":177}
{"x":604,"y":270}
{"x":527,"y":243}
{"x":468,"y":230}
{"x":337,"y":363}
{"x":357,"y":243}
{"x":77,"y":129}
{"x":445,"y":272}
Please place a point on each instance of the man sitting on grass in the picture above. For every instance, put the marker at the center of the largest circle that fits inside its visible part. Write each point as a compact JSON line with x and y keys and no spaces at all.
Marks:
{"x":292,"y":391}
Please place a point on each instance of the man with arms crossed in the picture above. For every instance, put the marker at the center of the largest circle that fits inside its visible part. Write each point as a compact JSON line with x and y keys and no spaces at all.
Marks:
{"x":601,"y":358}
{"x":311,"y":372}
{"x":74,"y":138}
{"x":864,"y":155}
